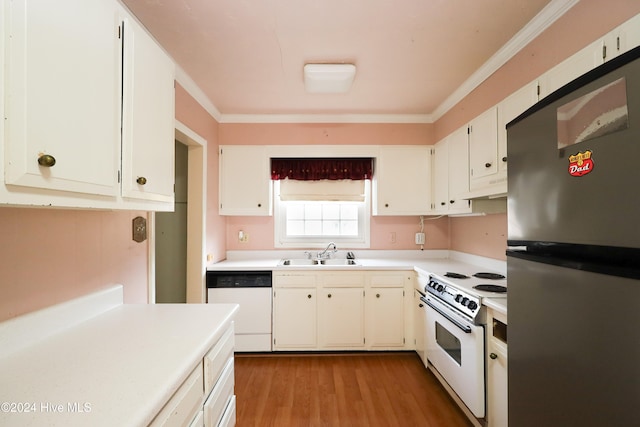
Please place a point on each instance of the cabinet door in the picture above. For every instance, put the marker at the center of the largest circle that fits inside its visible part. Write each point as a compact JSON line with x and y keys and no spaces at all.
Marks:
{"x":483,"y":145}
{"x":402,"y":181}
{"x":245,"y":182}
{"x":341,"y":318}
{"x":510,"y":108}
{"x":63,"y":95}
{"x":419,"y":319}
{"x":294,"y":318}
{"x":148,"y":148}
{"x":571,"y":68}
{"x":458,"y":171}
{"x":497,"y":385}
{"x":441,"y":176}
{"x":385,"y":325}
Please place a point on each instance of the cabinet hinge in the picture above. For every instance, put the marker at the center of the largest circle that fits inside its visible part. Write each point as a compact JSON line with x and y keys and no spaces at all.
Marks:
{"x":403,"y":341}
{"x":538,"y":89}
{"x":469,"y":130}
{"x":364,"y":340}
{"x":604,"y":51}
{"x":118,"y":177}
{"x":119,"y":31}
{"x":618,"y":43}
{"x":221,"y":151}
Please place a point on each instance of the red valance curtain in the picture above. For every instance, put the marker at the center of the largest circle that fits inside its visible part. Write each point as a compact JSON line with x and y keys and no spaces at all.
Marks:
{"x":314,"y":169}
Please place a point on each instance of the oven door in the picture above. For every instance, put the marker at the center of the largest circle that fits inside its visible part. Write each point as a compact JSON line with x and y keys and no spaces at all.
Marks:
{"x":455,"y":347}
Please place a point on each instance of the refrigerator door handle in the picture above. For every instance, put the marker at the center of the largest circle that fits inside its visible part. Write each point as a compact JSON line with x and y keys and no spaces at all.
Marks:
{"x":464,"y":328}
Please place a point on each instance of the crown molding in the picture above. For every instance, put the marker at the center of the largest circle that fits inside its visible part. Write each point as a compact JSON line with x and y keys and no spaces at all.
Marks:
{"x":528,"y":33}
{"x":196,"y":93}
{"x":326,"y":118}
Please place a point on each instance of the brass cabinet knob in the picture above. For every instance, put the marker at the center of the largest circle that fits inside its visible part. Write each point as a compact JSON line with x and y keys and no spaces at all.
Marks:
{"x":329,"y":296}
{"x":309,"y":296}
{"x":386,"y":205}
{"x":504,"y":159}
{"x":141,"y":180}
{"x":487,"y":165}
{"x":493,"y":356}
{"x":377,"y":295}
{"x":46,"y":160}
{"x":259,"y":205}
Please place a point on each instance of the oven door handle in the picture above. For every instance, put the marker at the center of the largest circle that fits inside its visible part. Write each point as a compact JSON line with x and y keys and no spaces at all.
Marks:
{"x":464,"y":328}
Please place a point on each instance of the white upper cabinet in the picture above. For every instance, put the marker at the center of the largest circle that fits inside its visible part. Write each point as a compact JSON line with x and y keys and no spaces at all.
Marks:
{"x":618,"y":41}
{"x":70,"y":136}
{"x":483,"y":148}
{"x":458,"y":144}
{"x":148,"y":147}
{"x":62,"y":96}
{"x":451,"y":174}
{"x":402,"y":180}
{"x":245,"y":180}
{"x":440,"y":203}
{"x":508,"y":109}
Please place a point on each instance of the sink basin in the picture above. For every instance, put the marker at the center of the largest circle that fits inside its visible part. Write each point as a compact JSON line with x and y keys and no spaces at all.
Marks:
{"x":301,"y":261}
{"x":338,"y":262}
{"x":305,"y":261}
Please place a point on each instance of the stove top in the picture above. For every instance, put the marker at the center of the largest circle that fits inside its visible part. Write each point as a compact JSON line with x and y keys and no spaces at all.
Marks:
{"x":468,"y":281}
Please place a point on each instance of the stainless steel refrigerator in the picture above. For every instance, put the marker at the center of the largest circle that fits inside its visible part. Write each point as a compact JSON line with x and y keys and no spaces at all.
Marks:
{"x":574,"y":253}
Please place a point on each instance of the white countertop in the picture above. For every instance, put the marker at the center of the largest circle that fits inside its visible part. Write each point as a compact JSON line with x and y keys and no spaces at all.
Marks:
{"x":124,"y":365}
{"x":438,"y":261}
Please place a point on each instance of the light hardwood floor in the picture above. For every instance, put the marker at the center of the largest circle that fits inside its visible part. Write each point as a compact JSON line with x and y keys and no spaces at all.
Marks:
{"x":341,"y":389}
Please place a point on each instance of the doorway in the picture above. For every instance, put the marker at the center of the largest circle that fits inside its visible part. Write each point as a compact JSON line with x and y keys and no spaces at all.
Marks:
{"x":196,"y":148}
{"x":171,"y":237}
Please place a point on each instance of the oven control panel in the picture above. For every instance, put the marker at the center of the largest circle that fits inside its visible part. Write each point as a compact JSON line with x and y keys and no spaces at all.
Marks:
{"x":454,"y":297}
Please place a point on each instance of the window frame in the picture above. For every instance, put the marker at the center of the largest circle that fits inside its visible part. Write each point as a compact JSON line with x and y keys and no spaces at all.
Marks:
{"x":363,"y":240}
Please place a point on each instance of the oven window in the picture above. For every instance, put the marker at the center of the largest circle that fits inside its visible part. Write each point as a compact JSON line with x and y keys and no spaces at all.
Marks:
{"x":449,"y":343}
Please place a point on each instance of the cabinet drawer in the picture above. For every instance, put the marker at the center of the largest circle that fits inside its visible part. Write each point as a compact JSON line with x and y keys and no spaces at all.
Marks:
{"x":349,"y":280}
{"x":295,"y":280}
{"x":216,"y":359}
{"x":184,"y":404}
{"x":388,"y":281}
{"x":229,"y":416}
{"x":217,"y":401}
{"x":198,"y":421}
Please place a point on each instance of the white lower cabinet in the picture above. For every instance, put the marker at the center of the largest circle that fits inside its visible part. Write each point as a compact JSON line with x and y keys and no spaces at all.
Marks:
{"x":385,"y":304}
{"x":331,"y":310}
{"x":206,"y":398}
{"x":497,"y":388}
{"x":294,"y":311}
{"x":341,"y":319}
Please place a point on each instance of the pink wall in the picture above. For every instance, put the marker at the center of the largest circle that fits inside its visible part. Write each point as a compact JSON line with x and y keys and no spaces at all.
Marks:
{"x":196,"y":118}
{"x":326,"y":133}
{"x":480,"y":235}
{"x":48,"y":256}
{"x":260,"y":232}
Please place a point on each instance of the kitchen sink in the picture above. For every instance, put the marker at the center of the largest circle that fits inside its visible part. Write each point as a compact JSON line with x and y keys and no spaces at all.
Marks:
{"x":338,"y":262}
{"x":318,"y":262}
{"x":302,"y":261}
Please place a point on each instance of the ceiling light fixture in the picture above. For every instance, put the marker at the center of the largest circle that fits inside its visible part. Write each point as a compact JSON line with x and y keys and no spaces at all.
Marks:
{"x":328,"y":78}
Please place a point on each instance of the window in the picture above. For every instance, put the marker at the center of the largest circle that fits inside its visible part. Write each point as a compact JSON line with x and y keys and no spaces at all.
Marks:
{"x":307,"y":222}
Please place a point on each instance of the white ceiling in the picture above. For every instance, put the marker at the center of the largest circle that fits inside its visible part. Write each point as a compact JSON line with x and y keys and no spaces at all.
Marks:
{"x":414,"y":58}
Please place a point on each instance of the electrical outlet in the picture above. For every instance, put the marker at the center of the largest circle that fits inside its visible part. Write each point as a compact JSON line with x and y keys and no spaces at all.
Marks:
{"x":392,"y":237}
{"x":419,"y":238}
{"x":243,"y":237}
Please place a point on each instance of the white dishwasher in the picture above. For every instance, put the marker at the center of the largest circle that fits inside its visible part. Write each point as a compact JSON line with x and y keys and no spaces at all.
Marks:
{"x":251,"y":290}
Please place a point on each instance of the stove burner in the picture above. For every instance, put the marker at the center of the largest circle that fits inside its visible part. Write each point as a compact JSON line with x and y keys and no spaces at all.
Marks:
{"x":456,"y":275}
{"x":490,"y":276}
{"x":491,"y":288}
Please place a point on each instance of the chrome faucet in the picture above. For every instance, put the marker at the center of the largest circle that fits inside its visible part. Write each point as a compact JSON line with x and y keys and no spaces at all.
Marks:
{"x":324,"y":254}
